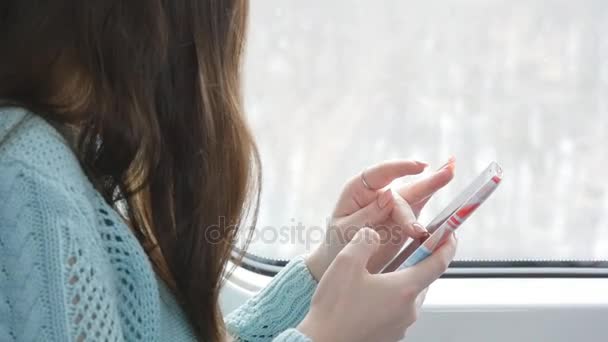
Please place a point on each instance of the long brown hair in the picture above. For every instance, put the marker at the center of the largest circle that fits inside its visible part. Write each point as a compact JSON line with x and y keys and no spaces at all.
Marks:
{"x":153,"y":89}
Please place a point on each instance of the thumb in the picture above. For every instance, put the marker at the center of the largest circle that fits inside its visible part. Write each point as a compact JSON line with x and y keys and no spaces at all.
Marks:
{"x":376,"y":212}
{"x":359,"y":250}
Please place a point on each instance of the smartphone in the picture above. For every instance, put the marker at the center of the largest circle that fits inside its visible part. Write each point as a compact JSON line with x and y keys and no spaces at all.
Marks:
{"x":449,"y":219}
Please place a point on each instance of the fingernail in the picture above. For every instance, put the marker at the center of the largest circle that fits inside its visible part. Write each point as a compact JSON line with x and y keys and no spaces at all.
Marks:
{"x":419,"y":229}
{"x":385,"y":198}
{"x":449,"y":164}
{"x":443,"y":166}
{"x":422,"y":164}
{"x":448,"y":168}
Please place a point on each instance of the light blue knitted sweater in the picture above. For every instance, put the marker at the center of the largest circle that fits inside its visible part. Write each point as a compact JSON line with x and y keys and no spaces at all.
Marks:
{"x":71,"y":270}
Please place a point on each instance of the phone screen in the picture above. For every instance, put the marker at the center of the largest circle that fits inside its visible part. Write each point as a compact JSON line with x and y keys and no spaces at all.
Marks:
{"x":475,"y":193}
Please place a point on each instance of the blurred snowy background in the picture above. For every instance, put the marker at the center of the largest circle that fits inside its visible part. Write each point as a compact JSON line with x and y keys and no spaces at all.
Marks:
{"x":334,"y":86}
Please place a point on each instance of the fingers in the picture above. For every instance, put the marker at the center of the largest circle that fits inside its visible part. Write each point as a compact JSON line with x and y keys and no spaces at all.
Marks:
{"x":374,"y":213}
{"x":392,"y":238}
{"x":381,"y":175}
{"x":423,"y":274}
{"x":402,"y":225}
{"x":421,"y":297}
{"x":404,"y":216}
{"x":418,"y":193}
{"x":356,"y":195}
{"x":431,"y":268}
{"x":358,"y":251}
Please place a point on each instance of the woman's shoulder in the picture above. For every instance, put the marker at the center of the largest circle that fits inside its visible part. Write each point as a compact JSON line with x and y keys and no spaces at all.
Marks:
{"x":84,"y":268}
{"x":28,"y":140}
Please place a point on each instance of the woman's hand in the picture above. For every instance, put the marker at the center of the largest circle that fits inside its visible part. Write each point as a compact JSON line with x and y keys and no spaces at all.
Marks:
{"x":351,"y":304}
{"x":367,"y":202}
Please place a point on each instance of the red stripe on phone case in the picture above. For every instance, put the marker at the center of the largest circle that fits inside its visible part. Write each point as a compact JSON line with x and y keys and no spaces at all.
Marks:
{"x":454,"y":221}
{"x":466,"y":211}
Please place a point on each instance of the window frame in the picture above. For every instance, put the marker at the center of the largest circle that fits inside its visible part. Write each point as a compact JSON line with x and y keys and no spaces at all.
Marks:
{"x":269,"y":267}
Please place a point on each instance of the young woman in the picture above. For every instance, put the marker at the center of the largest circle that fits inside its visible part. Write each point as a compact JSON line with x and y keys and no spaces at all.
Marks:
{"x":126,"y":168}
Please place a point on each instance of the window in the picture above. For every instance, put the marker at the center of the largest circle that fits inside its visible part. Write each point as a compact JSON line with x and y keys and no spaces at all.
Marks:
{"x":334,"y":86}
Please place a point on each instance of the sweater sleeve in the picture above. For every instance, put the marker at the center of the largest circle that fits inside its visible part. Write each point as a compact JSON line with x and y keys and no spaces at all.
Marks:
{"x":272,"y":314}
{"x":46,"y":274}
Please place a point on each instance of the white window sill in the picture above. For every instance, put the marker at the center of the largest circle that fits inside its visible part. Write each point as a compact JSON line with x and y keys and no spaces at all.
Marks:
{"x":495,"y":309}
